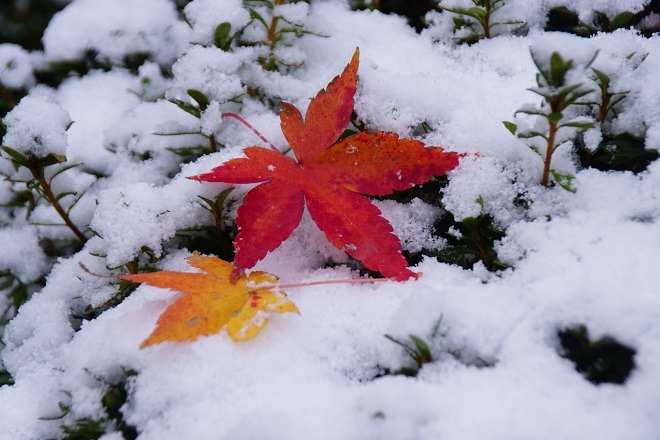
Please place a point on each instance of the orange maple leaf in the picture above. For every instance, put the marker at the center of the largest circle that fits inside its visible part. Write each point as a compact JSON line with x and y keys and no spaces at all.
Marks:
{"x":211,"y":302}
{"x":330,"y":178}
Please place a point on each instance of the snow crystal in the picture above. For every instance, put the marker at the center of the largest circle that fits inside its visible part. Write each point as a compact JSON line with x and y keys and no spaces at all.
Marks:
{"x":413,"y":223}
{"x":96,"y":102}
{"x":37,"y":126}
{"x":571,"y":47}
{"x":294,"y":13}
{"x":152,"y":83}
{"x":140,"y":215}
{"x":15,"y":67}
{"x":154,"y":127}
{"x":210,"y":71}
{"x":211,"y":119}
{"x":585,"y":258}
{"x":206,"y":15}
{"x":115,"y":29}
{"x":22,"y":242}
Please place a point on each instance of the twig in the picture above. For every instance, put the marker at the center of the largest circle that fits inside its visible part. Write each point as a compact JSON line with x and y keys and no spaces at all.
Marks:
{"x":248,"y":125}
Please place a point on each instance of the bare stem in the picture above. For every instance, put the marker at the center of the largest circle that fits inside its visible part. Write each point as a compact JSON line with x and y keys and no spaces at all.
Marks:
{"x":605,"y":98}
{"x":213,"y":147}
{"x":272,"y":29}
{"x":486,"y":21}
{"x":254,"y":130}
{"x":37,"y":171}
{"x":545,"y":181}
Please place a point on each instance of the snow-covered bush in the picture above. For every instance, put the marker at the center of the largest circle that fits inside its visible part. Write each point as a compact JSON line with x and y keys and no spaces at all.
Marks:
{"x":535,"y":314}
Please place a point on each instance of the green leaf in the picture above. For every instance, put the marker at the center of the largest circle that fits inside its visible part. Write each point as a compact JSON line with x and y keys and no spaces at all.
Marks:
{"x":581,"y":125}
{"x":542,"y":73}
{"x":476,"y":12}
{"x":564,"y":180}
{"x":622,"y":20}
{"x":63,"y":170}
{"x":187,"y":107}
{"x":531,"y":112}
{"x":535,"y":149}
{"x":558,"y":69}
{"x":625,"y":145}
{"x":531,"y":134}
{"x":64,"y":194}
{"x":200,"y":97}
{"x":221,"y":37}
{"x":510,"y":126}
{"x":17,"y":157}
{"x":423,"y":351}
{"x":569,"y":89}
{"x":554,"y":117}
{"x":575,"y":96}
{"x":603,"y":80}
{"x":617,"y":100}
{"x":254,"y":15}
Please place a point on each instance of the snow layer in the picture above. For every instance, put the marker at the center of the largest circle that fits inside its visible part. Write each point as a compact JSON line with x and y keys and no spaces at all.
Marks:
{"x":115,"y":29}
{"x":15,"y":67}
{"x":37,"y":126}
{"x":585,"y":258}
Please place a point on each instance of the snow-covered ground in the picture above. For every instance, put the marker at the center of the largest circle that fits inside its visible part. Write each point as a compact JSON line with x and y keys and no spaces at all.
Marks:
{"x":589,"y":257}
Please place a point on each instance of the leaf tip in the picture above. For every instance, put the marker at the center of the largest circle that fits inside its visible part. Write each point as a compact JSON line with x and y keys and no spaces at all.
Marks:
{"x":236,"y":274}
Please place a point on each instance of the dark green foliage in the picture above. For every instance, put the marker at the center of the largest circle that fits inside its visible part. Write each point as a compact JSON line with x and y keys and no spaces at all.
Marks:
{"x":145,"y":262}
{"x":478,"y":235}
{"x":428,"y":192}
{"x":125,"y":288}
{"x":623,"y":152}
{"x":604,"y":360}
{"x":41,"y":187}
{"x":5,"y":377}
{"x":616,"y":152}
{"x":113,"y":420}
{"x":475,"y":242}
{"x":479,"y":20}
{"x":563,"y":19}
{"x":8,"y":100}
{"x":23,"y":22}
{"x":16,"y":291}
{"x":201,"y":103}
{"x":417,"y":349}
{"x":216,"y":239}
{"x":431,"y":349}
{"x":279,"y":33}
{"x":558,"y":97}
{"x":419,"y":352}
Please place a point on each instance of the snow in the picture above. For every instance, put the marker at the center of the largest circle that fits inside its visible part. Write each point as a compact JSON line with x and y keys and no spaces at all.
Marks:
{"x":206,"y":15}
{"x":294,"y":13}
{"x":25,"y":242}
{"x":585,"y":258}
{"x":115,"y":29}
{"x":15,"y":67}
{"x":37,"y":127}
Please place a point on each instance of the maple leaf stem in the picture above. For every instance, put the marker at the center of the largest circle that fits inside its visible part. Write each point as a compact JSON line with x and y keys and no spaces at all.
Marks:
{"x":317,"y":283}
{"x":254,"y":130}
{"x":277,"y":286}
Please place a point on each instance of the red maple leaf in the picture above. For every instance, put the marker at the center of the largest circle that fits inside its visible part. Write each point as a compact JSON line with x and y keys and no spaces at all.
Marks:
{"x":329,"y":177}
